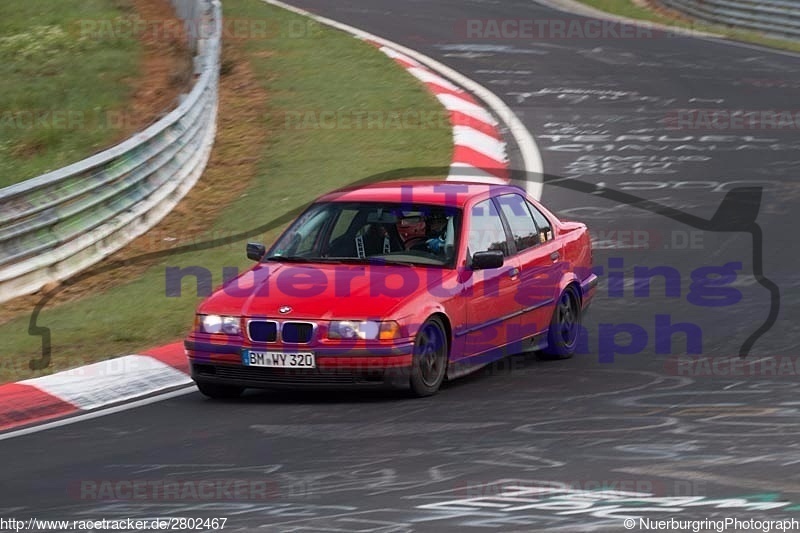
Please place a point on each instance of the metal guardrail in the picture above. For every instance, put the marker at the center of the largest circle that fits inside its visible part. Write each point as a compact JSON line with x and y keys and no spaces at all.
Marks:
{"x":775,"y":17}
{"x":57,"y":224}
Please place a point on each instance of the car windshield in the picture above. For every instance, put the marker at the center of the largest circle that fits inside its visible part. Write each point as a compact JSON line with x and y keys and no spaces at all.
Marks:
{"x":371,"y":233}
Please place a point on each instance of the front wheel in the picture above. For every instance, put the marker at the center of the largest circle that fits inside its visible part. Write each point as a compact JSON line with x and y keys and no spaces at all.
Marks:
{"x":217,"y":391}
{"x":562,"y":337}
{"x":430,"y":358}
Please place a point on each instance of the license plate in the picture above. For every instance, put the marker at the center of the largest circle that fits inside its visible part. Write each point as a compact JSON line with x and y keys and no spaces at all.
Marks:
{"x":278,"y":359}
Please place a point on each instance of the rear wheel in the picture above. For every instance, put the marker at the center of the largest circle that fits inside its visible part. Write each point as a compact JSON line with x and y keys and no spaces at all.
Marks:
{"x":217,"y":391}
{"x":430,"y":358}
{"x":562,"y":337}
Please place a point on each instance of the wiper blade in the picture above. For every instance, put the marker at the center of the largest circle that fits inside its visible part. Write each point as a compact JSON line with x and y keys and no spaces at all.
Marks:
{"x":340,"y":260}
{"x":288,"y":259}
{"x":393,"y":262}
{"x":343,"y":260}
{"x":372,"y":260}
{"x":299,"y":259}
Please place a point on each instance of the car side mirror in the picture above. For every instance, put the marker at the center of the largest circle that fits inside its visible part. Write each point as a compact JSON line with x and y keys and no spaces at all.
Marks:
{"x":487,"y":259}
{"x":256,"y":251}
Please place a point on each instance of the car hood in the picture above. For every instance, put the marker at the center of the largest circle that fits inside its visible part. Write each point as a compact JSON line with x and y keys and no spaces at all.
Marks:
{"x":325,"y":291}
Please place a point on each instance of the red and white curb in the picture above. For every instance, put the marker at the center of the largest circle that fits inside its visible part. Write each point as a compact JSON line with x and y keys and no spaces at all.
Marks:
{"x":479,"y":150}
{"x":479,"y":154}
{"x":92,"y":387}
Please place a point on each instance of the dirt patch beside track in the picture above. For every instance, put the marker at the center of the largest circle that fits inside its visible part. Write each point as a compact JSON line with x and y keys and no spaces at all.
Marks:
{"x":165,"y":67}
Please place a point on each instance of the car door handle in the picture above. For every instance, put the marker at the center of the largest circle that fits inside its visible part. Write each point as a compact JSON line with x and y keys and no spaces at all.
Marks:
{"x":554,"y":256}
{"x":513,"y":273}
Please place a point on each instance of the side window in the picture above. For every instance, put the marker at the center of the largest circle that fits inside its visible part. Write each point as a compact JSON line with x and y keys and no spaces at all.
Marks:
{"x":343,"y":222}
{"x":486,"y":229}
{"x":519,"y":219}
{"x":308,"y":239}
{"x":541,"y":221}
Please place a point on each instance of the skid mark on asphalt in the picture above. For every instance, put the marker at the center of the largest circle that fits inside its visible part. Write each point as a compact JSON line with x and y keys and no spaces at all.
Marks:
{"x":770,"y":485}
{"x":359,"y":431}
{"x":583,"y":426}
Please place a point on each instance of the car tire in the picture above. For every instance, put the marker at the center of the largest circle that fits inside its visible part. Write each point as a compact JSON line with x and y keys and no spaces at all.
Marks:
{"x":564,"y":331}
{"x":218,"y":391}
{"x":429,"y":364}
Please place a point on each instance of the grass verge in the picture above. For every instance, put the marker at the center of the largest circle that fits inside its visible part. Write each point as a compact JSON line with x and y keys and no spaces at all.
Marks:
{"x":292,"y":92}
{"x":53,"y":77}
{"x":635,"y":10}
{"x":78,"y":76}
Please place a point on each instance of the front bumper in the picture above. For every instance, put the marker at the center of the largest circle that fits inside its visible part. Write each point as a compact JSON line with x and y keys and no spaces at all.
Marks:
{"x":379,"y":367}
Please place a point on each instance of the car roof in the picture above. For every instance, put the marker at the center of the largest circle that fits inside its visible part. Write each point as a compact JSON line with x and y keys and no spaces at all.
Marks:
{"x":431,"y":192}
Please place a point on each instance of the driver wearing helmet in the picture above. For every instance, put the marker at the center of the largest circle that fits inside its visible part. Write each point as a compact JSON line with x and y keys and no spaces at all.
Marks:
{"x":435,"y":232}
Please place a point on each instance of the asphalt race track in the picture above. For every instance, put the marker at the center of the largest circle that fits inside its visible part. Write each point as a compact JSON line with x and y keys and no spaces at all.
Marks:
{"x":718,"y":434}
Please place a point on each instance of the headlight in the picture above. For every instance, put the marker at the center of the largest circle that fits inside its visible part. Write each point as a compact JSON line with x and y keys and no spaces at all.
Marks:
{"x":367,"y":330}
{"x":229,"y":325}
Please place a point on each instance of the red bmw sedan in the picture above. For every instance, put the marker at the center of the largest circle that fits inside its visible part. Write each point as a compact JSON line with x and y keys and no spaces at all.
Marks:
{"x":401,"y":284}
